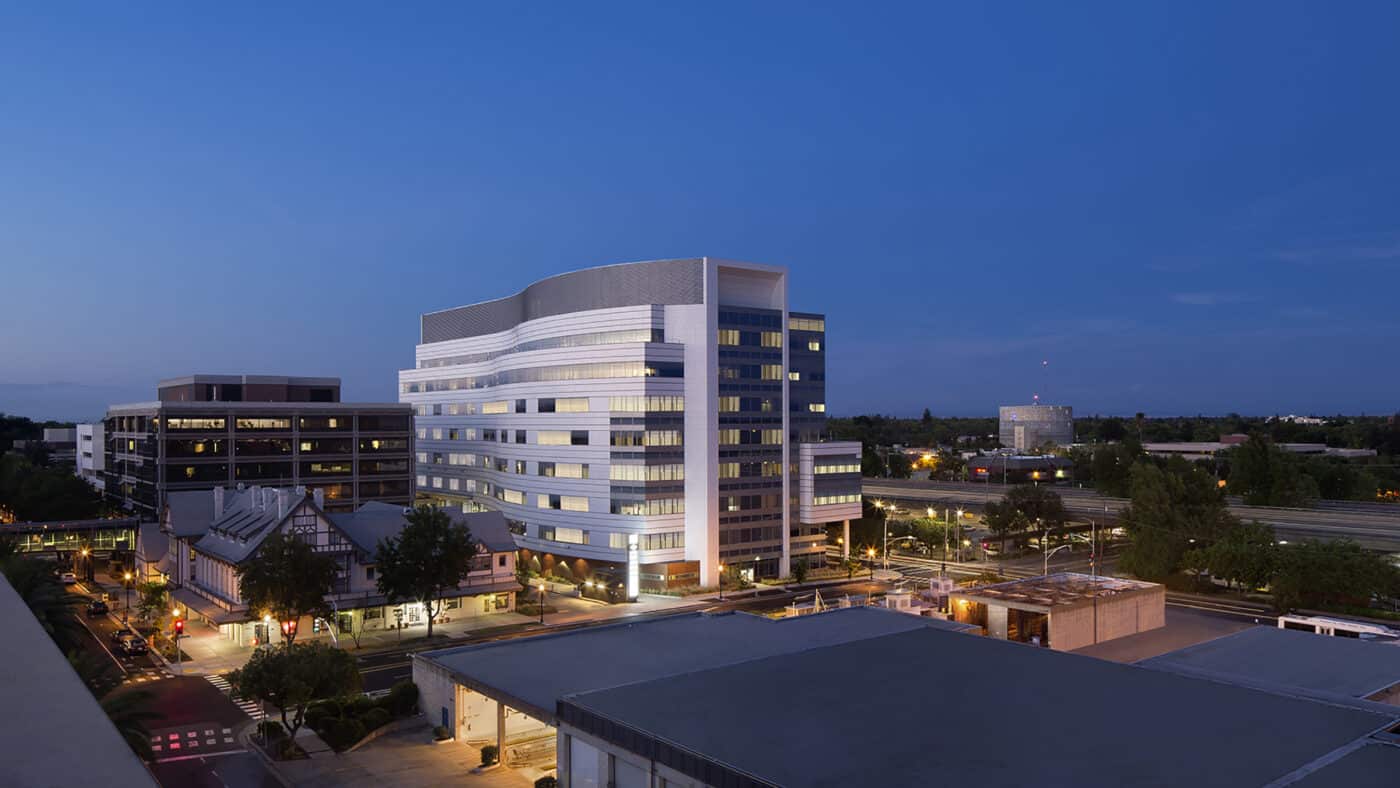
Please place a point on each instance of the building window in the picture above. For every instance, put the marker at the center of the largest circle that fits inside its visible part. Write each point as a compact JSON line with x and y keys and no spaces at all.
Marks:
{"x":656,"y":404}
{"x":563,"y":470}
{"x":816,"y":407}
{"x":729,"y":470}
{"x":772,"y":339}
{"x":369,"y":573}
{"x":501,"y":559}
{"x":573,"y":503}
{"x":728,"y":404}
{"x":552,"y":533}
{"x":772,"y":372}
{"x":495,"y":408}
{"x":578,"y":438}
{"x":654,"y":507}
{"x":520,"y":406}
{"x":823,"y":500}
{"x":520,"y":436}
{"x":646,"y":473}
{"x":806,"y":324}
{"x":814,"y":345}
{"x":553,"y":438}
{"x":729,"y":336}
{"x":437,"y":433}
{"x":794,"y":375}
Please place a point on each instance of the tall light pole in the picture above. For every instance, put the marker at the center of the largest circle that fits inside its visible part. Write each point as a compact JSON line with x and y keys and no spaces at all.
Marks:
{"x":541,"y":601}
{"x":126,"y":581}
{"x":721,"y":581}
{"x":871,"y":554}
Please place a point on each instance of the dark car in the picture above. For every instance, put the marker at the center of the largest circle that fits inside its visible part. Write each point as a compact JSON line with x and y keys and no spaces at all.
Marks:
{"x":97,"y":608}
{"x":132,"y":645}
{"x":118,"y":634}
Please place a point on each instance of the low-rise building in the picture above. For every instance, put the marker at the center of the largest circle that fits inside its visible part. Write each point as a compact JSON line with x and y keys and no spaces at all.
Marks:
{"x":1018,"y":469}
{"x":727,"y":700}
{"x":1062,"y":611}
{"x":214,"y":536}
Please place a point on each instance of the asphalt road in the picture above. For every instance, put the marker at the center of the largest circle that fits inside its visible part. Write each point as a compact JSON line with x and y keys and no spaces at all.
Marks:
{"x":196,"y":738}
{"x":1375,"y":526}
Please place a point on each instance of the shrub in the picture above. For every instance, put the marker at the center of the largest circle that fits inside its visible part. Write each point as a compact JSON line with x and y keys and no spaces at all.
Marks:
{"x":343,"y":732}
{"x":375,"y":717}
{"x":489,"y":755}
{"x":547,"y":782}
{"x":271,"y":730}
{"x":441,"y":733}
{"x":403,"y":698}
{"x":358,"y":706}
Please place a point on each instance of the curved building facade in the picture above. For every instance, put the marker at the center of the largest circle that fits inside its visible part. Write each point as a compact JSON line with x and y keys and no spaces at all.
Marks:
{"x":635,"y":423}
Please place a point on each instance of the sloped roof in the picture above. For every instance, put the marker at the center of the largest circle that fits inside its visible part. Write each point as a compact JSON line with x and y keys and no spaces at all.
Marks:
{"x":190,"y":512}
{"x":377,"y":520}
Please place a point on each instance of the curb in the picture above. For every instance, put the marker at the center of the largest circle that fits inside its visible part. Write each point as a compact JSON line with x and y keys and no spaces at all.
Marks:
{"x":245,"y":737}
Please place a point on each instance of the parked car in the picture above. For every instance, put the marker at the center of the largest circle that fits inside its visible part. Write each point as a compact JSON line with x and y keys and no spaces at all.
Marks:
{"x":68,"y":578}
{"x":132,"y":645}
{"x":118,"y":634}
{"x":97,"y":608}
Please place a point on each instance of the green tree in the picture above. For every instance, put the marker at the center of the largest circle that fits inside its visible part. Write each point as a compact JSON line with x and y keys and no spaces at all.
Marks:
{"x":899,"y":465}
{"x":153,"y":599}
{"x":1317,"y":574}
{"x":50,"y":603}
{"x":289,"y":679}
{"x":430,"y":557}
{"x":131,"y":713}
{"x":799,"y":570}
{"x":1024,"y":508}
{"x":288,"y":579}
{"x":1196,"y":561}
{"x":933,"y":535}
{"x":1244,"y":555}
{"x":34,"y":492}
{"x":1265,"y":475}
{"x":949,"y":467}
{"x":871,"y":463}
{"x":1170,"y":506}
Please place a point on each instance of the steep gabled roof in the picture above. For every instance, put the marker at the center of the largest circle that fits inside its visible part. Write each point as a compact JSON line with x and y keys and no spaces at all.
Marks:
{"x":376,"y":521}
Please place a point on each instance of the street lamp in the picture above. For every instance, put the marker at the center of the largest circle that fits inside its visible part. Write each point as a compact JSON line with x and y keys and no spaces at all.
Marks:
{"x":541,"y":601}
{"x":958,"y":535}
{"x":126,"y":581}
{"x":870,"y":553}
{"x":721,"y":581}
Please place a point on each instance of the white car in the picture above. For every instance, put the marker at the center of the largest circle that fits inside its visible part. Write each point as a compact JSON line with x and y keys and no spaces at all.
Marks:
{"x":68,"y":578}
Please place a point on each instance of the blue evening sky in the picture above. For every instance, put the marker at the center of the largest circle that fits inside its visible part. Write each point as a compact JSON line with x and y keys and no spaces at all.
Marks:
{"x":1183,"y":206}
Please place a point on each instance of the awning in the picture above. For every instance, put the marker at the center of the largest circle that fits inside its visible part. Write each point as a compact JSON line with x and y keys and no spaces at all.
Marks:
{"x":208,"y":610}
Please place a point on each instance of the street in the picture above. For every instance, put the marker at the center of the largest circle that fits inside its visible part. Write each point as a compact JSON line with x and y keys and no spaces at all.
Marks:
{"x":196,"y":740}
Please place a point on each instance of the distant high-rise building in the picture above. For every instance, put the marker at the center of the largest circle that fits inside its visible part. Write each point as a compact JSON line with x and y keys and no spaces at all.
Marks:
{"x":641,"y":423}
{"x":208,"y":431}
{"x":1024,"y":427}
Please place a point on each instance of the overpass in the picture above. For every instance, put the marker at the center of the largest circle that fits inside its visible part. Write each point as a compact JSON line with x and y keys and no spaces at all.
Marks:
{"x":68,"y":536}
{"x":1373,"y":526}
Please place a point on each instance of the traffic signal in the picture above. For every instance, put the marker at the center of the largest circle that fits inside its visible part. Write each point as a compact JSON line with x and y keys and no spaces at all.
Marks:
{"x":179,"y":626}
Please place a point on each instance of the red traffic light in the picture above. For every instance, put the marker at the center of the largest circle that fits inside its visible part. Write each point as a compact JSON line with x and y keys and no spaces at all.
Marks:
{"x":179,"y":626}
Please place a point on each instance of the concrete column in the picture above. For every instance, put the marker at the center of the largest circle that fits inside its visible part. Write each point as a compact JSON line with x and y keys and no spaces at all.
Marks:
{"x":845,"y":538}
{"x":501,"y":731}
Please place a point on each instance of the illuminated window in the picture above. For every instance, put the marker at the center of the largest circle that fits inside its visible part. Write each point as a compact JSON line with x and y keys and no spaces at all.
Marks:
{"x":806,"y":324}
{"x":814,"y":345}
{"x":659,"y":404}
{"x":771,"y":339}
{"x":771,"y":372}
{"x":495,"y":408}
{"x":816,"y":407}
{"x":552,"y":437}
{"x":573,"y":503}
{"x":729,"y":470}
{"x":728,"y":404}
{"x":729,"y":336}
{"x":794,"y":375}
{"x":646,"y":473}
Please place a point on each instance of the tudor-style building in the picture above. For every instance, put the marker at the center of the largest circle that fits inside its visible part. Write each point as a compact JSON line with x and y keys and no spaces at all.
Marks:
{"x":213,"y":532}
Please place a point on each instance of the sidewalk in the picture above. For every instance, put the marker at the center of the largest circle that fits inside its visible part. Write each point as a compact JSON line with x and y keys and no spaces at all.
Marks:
{"x":210,"y":652}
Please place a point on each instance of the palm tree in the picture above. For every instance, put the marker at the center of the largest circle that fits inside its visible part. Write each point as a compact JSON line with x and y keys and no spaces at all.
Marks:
{"x":129,"y":712}
{"x":49,"y":602}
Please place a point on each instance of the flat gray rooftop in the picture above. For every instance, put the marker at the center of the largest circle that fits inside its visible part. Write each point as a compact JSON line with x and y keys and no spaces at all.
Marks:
{"x":930,"y":707}
{"x":1288,"y":659}
{"x":533,"y":673}
{"x":1374,"y":765}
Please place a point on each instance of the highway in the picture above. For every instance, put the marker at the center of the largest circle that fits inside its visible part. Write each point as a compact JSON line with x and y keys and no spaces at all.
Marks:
{"x":1374,"y":526}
